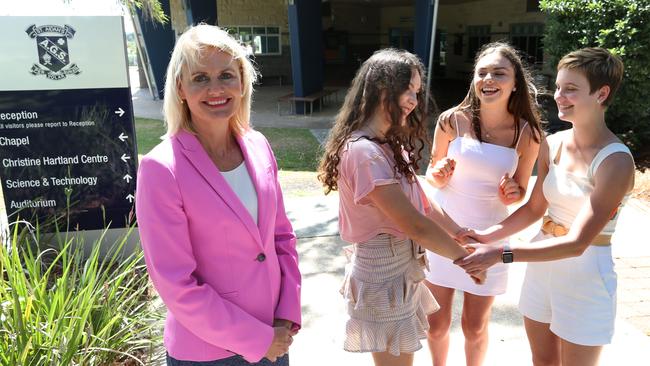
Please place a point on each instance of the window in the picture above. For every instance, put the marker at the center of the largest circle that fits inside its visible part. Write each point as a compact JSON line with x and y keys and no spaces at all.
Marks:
{"x":401,"y":38}
{"x":458,"y":44}
{"x":442,"y":47}
{"x":478,"y":36}
{"x":532,"y":6}
{"x":527,"y":37}
{"x":260,"y":40}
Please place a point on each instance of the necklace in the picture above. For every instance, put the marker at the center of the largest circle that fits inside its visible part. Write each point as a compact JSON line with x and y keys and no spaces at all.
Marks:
{"x":487,"y":133}
{"x":490,"y":134}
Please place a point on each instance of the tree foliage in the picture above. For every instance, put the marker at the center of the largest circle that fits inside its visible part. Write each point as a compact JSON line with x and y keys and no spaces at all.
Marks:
{"x":151,"y":9}
{"x":623,"y":27}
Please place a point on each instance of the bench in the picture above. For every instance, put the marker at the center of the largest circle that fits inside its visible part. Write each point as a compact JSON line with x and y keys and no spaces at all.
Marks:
{"x":320,"y":96}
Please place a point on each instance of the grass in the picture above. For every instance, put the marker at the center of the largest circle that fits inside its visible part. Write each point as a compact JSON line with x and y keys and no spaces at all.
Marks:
{"x":148,"y":132}
{"x":296,"y":149}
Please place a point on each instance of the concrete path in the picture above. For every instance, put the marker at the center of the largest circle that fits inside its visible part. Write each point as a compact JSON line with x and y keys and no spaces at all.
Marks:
{"x":322,"y":265}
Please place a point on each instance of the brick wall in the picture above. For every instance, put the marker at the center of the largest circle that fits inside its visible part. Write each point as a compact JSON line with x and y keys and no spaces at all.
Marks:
{"x":254,"y":12}
{"x":261,"y":13}
{"x":178,"y":16}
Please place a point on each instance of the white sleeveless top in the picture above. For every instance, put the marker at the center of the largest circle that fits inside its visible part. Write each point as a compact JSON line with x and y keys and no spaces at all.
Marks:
{"x":471,"y":199}
{"x":566,"y":192}
{"x":480,"y":165}
{"x":240,"y":182}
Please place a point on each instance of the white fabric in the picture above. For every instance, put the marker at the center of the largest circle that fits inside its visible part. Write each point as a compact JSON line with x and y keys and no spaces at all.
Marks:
{"x":576,"y":296}
{"x":241,"y":183}
{"x":471,"y":199}
{"x":566,"y":192}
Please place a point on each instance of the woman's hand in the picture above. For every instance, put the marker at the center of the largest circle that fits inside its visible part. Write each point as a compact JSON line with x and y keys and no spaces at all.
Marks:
{"x":479,"y":278}
{"x":466,"y":236}
{"x":283,"y":323}
{"x":481,"y":257}
{"x":509,"y":190}
{"x":282,"y":339}
{"x":442,"y":171}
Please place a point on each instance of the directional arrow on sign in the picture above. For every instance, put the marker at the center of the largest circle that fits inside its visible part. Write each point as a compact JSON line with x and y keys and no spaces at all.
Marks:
{"x":130,"y":198}
{"x":122,"y":137}
{"x":127,"y":178}
{"x":125,"y":157}
{"x":119,"y":112}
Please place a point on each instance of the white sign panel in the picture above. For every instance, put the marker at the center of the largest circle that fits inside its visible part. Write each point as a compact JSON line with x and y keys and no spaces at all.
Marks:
{"x":67,"y":137}
{"x":45,"y":53}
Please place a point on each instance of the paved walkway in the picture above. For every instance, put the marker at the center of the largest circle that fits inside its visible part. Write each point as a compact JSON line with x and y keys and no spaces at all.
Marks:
{"x":315,"y":219}
{"x":322,"y":263}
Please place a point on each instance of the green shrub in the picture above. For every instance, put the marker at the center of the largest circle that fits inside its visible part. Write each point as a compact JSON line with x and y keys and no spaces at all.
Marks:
{"x":623,"y":27}
{"x":59,"y":306}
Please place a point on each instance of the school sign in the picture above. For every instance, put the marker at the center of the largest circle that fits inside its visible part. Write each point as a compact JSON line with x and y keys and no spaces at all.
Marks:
{"x":67,"y":142}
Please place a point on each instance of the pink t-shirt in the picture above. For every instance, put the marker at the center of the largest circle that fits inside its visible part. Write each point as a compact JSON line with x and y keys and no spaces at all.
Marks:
{"x":364,"y":165}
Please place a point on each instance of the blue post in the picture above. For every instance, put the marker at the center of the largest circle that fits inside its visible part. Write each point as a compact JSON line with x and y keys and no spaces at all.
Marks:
{"x":201,"y":11}
{"x":159,"y":40}
{"x":422,"y":36}
{"x":306,"y":48}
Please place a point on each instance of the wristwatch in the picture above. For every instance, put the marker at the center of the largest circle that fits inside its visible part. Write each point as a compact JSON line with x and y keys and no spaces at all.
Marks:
{"x":506,"y":255}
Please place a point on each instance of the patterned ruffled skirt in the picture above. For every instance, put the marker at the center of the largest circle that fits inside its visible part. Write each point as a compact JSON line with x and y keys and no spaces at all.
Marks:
{"x":387,"y":301}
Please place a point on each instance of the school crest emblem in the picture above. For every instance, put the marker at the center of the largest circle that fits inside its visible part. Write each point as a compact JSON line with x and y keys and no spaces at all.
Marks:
{"x":53,"y":52}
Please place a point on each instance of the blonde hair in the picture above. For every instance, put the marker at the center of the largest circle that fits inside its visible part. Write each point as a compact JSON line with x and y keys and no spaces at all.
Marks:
{"x":189,"y":47}
{"x":599,"y":66}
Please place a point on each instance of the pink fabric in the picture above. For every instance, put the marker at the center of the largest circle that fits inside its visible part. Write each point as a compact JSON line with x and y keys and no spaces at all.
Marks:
{"x":365,"y":165}
{"x":201,"y":247}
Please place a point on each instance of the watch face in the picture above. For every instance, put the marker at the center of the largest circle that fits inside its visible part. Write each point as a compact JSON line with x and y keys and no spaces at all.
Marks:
{"x":507,"y":257}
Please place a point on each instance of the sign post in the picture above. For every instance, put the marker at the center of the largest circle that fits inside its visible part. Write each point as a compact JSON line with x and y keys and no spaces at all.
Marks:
{"x":67,"y":137}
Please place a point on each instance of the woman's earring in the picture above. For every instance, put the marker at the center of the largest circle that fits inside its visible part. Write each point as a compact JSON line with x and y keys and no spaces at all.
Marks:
{"x":514,"y":89}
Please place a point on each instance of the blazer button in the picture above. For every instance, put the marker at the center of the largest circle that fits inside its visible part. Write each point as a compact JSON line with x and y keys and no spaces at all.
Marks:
{"x":261,"y":257}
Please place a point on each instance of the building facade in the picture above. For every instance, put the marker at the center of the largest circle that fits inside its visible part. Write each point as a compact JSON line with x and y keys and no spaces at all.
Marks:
{"x":330,"y":38}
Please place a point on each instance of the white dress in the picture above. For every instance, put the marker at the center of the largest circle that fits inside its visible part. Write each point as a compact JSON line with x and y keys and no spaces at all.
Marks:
{"x":471,"y":199}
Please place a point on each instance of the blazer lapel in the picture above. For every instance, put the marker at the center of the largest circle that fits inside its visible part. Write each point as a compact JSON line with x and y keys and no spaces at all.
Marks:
{"x":258,"y":173}
{"x":192,"y":149}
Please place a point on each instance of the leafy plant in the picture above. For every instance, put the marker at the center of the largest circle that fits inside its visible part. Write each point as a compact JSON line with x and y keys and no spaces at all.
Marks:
{"x":623,"y":27}
{"x":60,"y":306}
{"x":151,"y":9}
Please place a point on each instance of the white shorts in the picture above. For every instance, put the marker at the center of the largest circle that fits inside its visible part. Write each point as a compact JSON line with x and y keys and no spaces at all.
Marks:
{"x":576,"y":296}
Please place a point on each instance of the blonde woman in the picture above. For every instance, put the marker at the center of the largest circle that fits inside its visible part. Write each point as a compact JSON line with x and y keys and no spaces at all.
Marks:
{"x":218,"y":245}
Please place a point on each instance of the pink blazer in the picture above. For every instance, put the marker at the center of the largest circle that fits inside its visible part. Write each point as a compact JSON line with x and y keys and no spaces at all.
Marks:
{"x":223,"y":278}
